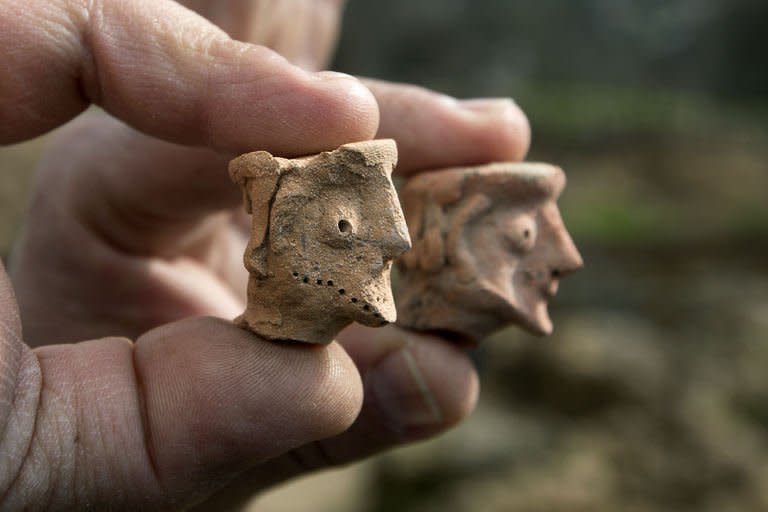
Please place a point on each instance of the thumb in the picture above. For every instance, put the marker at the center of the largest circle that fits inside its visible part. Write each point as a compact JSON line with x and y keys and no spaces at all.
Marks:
{"x":170,"y":73}
{"x":166,"y":421}
{"x":219,"y":400}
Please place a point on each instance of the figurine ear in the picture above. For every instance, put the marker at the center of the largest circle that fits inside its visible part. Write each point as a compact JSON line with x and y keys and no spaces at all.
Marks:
{"x":425,"y":224}
{"x":432,"y":248}
{"x":260,"y":192}
{"x":457,"y":253}
{"x":258,"y":174}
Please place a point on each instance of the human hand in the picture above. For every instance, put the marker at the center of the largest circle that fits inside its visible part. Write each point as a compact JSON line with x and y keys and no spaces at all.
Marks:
{"x":128,"y":232}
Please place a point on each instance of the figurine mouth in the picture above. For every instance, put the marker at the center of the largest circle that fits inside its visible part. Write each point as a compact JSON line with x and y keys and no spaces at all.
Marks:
{"x":372,"y":309}
{"x":547,"y":286}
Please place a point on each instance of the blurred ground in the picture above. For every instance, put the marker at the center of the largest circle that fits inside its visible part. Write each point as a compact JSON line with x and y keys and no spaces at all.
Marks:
{"x":652,"y":395}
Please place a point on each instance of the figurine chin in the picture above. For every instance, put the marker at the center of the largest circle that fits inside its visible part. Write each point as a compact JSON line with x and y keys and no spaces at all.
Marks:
{"x":538,"y":323}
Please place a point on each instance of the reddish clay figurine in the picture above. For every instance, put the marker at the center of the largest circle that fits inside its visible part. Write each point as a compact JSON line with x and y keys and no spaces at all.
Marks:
{"x":489,"y":249}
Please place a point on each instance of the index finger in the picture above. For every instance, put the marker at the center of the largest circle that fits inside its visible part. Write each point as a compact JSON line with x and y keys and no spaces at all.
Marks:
{"x":434,"y":131}
{"x":169,"y":73}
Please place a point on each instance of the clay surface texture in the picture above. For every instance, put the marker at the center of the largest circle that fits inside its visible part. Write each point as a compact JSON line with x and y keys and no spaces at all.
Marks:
{"x":325,"y":232}
{"x":489,"y":249}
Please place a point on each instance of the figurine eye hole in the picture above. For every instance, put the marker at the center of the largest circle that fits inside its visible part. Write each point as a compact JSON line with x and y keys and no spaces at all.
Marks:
{"x":528,"y":238}
{"x":519,"y":231}
{"x":345,"y":226}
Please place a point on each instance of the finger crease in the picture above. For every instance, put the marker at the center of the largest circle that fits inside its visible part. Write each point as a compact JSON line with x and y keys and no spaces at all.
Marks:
{"x":33,"y":431}
{"x":421,"y":385}
{"x":143,"y":411}
{"x":327,"y":460}
{"x":301,"y":461}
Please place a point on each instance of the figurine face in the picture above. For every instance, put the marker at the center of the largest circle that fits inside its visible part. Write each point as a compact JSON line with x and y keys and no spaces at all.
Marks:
{"x":489,"y":250}
{"x":525,"y":252}
{"x":325,"y":231}
{"x":338,"y":247}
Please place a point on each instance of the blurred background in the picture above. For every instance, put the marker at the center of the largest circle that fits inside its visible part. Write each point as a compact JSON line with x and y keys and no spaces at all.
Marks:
{"x":652,"y":395}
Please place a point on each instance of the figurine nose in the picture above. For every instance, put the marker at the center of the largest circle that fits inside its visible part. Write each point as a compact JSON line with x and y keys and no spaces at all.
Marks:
{"x":395,"y":244}
{"x":395,"y":239}
{"x":568,"y":259}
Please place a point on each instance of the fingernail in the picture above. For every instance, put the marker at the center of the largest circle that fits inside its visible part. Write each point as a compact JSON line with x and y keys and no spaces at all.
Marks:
{"x":487,"y":105}
{"x":402,"y":395}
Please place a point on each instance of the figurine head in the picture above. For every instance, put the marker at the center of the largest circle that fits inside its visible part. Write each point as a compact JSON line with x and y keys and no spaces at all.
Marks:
{"x":489,"y":249}
{"x":324,"y":234}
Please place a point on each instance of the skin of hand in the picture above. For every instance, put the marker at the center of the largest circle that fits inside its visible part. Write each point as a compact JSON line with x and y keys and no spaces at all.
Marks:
{"x":135,"y":238}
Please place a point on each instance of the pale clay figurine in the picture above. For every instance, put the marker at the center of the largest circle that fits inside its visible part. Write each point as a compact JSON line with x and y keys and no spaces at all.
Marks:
{"x":489,"y":247}
{"x":325,"y":231}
